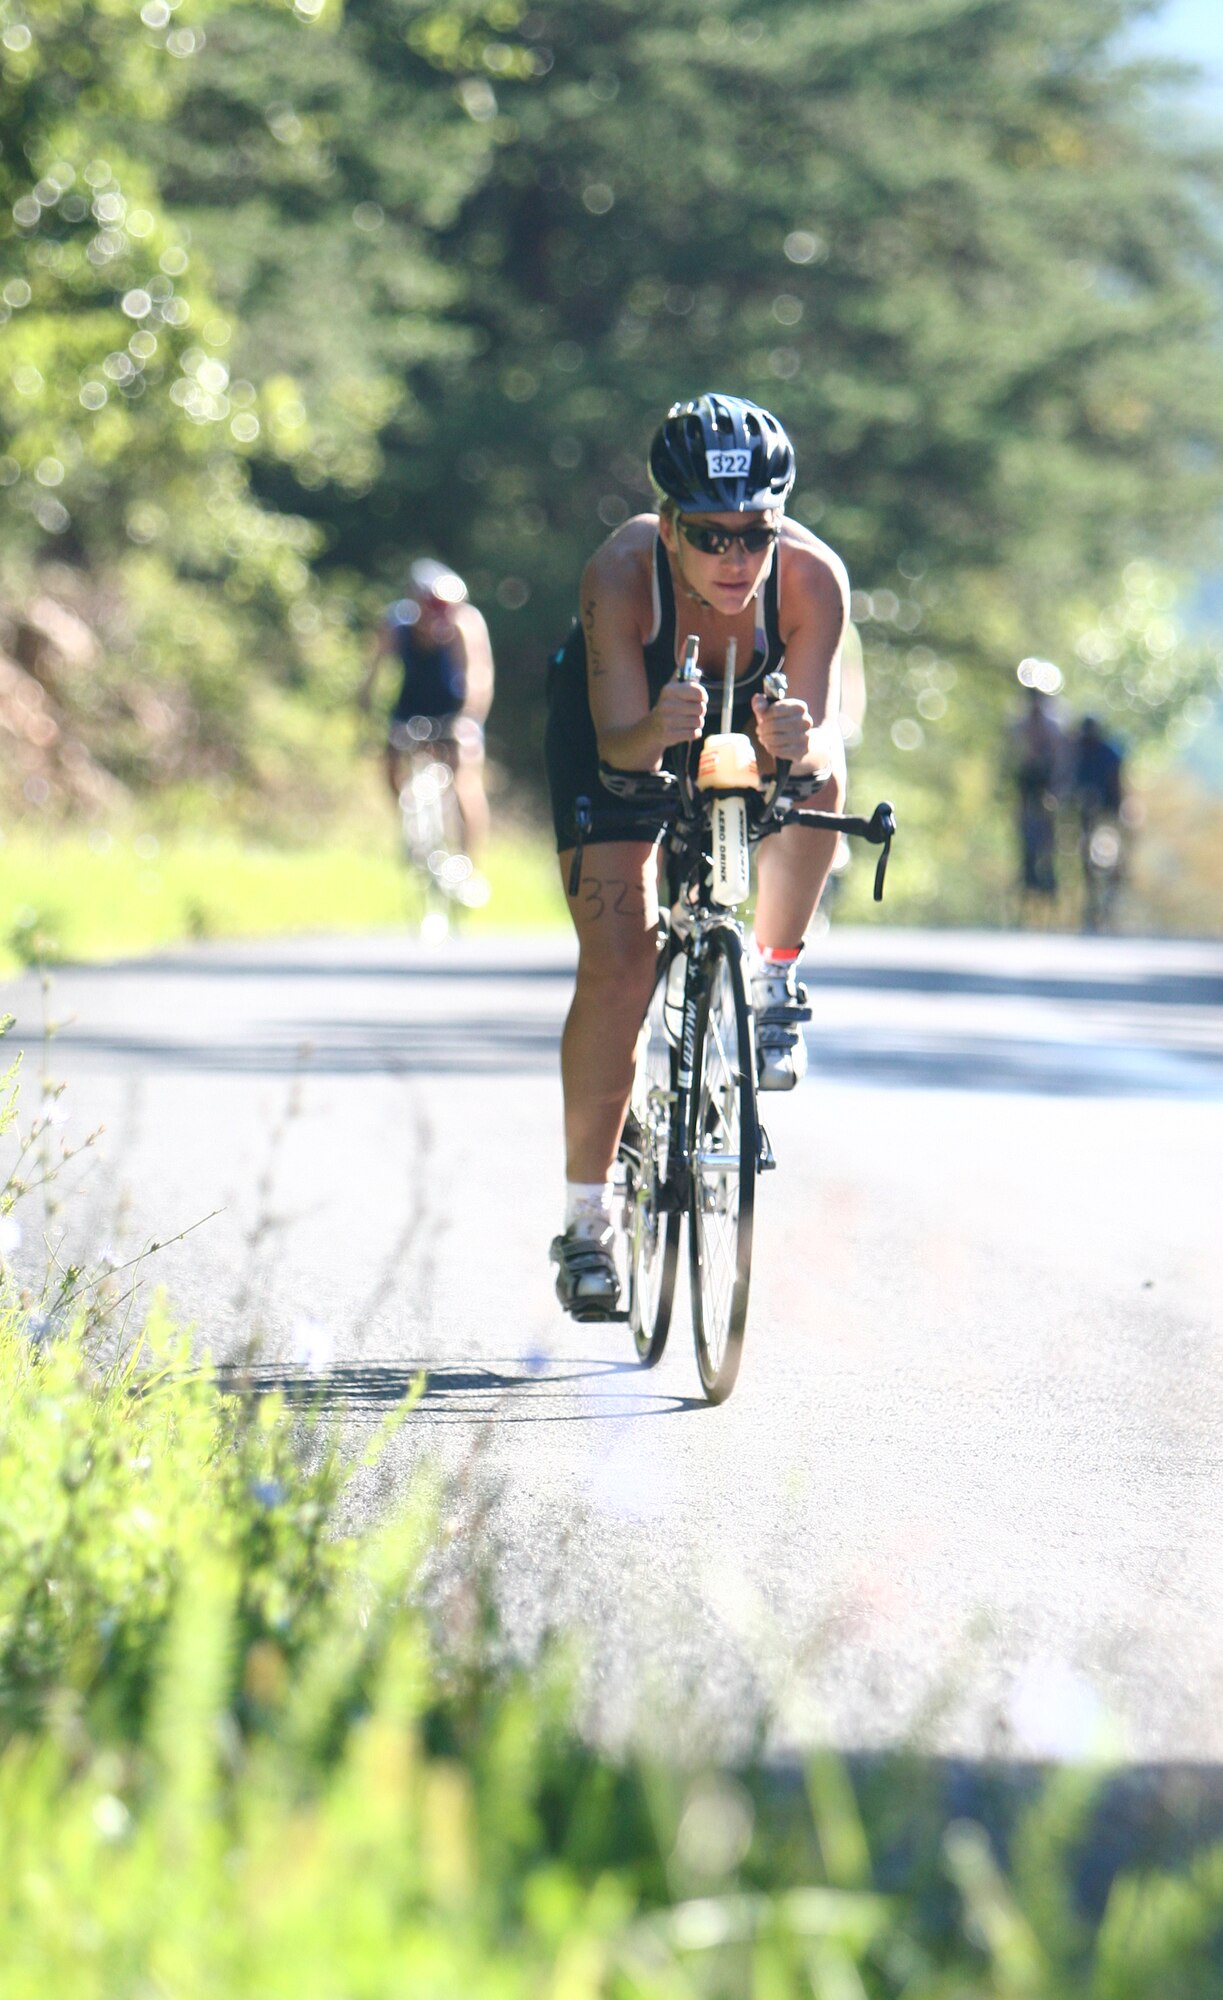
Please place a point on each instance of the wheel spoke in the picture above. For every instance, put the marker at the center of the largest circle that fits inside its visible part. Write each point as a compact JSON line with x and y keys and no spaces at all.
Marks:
{"x":723,"y":1177}
{"x":652,"y":1243}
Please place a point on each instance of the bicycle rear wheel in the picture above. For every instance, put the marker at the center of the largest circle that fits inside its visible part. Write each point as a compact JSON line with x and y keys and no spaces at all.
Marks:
{"x":724,"y":1157}
{"x":652,"y":1232}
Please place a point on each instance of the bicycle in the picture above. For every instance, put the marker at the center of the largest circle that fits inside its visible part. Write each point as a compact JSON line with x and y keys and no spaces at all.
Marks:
{"x":1102,"y":858}
{"x":693,"y":1142}
{"x":445,"y":877}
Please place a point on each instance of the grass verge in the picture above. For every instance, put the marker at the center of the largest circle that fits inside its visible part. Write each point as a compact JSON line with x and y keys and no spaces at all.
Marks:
{"x":245,"y":1753}
{"x":101,"y":895}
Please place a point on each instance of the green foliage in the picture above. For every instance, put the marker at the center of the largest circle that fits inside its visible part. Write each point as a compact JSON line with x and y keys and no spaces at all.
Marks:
{"x":234,"y":1760}
{"x":301,"y":293}
{"x":945,"y":239}
{"x":126,"y":439}
{"x":114,"y":382}
{"x":80,"y":896}
{"x":942,"y":238}
{"x":1135,"y":667}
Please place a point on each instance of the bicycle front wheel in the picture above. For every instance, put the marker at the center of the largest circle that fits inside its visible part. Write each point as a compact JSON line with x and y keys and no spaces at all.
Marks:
{"x":652,"y":1231}
{"x":723,"y":1179}
{"x":422,"y":804}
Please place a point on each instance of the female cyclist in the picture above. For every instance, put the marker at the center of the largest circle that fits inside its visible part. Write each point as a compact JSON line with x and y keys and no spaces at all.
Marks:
{"x":718,"y":561}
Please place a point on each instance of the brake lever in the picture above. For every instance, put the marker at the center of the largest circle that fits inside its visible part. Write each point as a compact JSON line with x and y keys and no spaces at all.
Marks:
{"x":689,"y":669}
{"x":775,"y":687}
{"x":883,"y":826}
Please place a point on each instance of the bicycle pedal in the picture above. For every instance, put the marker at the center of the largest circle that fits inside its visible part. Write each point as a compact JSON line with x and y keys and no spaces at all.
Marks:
{"x":766,"y":1159}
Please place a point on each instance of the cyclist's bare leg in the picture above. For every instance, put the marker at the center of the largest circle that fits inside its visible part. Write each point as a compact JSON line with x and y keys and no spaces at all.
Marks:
{"x":472,"y":803}
{"x":615,"y":914}
{"x":791,"y":870}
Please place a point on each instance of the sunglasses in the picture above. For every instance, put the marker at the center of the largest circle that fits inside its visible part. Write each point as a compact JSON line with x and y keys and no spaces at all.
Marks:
{"x":720,"y":541}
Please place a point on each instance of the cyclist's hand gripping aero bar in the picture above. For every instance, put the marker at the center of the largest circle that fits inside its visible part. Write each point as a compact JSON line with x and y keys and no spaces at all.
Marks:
{"x":662,"y":792}
{"x":655,"y":790}
{"x":878,"y":829}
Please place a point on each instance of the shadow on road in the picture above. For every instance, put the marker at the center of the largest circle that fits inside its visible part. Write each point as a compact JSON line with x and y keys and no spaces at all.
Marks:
{"x":1035,"y":1068}
{"x":473,"y":1045}
{"x":1174,"y":988}
{"x":1151,"y":989}
{"x":496,"y":1045}
{"x":513,"y":1391}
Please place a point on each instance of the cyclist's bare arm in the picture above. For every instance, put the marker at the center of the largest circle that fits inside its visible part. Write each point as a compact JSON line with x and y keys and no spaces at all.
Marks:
{"x":616,"y":611}
{"x":805,"y":728}
{"x":383,"y":645}
{"x":477,"y":661}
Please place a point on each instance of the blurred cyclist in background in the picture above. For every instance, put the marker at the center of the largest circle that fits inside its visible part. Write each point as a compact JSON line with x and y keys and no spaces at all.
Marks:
{"x":445,"y":687}
{"x":1039,"y":758}
{"x":1098,"y":773}
{"x":1098,"y":786}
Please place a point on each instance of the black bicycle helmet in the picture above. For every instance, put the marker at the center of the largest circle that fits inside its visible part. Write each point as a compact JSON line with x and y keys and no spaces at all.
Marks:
{"x":722,"y":455}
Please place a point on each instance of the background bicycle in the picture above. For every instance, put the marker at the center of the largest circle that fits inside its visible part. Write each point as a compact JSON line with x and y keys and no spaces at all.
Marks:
{"x":445,"y":880}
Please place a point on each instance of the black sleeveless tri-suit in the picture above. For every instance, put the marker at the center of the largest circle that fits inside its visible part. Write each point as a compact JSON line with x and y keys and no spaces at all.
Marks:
{"x":571,"y":748}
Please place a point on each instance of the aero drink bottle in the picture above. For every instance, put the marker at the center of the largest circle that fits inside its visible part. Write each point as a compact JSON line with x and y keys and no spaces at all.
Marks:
{"x":728,"y":764}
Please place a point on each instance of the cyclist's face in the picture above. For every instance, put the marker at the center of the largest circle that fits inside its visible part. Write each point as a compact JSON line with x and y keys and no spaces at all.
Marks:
{"x":727,"y":582}
{"x":436,"y":620}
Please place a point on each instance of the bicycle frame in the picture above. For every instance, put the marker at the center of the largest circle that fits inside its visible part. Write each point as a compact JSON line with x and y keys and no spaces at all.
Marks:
{"x":688,"y":864}
{"x":694,"y":947}
{"x":694,"y":1142}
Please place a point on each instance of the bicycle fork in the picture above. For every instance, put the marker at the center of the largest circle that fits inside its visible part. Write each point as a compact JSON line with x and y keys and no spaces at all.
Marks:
{"x":674,"y":1195}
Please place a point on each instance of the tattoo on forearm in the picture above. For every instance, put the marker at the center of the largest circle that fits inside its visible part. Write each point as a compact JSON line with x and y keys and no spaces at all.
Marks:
{"x":594,"y":659}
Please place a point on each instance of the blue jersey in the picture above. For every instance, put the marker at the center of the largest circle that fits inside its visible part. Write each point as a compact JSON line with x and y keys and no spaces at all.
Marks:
{"x":434,"y":681}
{"x":1097,"y":773}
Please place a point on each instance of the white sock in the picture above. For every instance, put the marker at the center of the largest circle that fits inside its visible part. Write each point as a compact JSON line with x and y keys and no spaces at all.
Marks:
{"x":588,"y":1205}
{"x":769,"y":959}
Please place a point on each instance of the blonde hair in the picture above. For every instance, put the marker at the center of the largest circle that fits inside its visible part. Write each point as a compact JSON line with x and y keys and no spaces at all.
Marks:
{"x":669,"y":510}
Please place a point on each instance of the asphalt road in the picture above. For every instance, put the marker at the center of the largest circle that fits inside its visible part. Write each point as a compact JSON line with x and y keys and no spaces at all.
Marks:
{"x":968,"y":1488}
